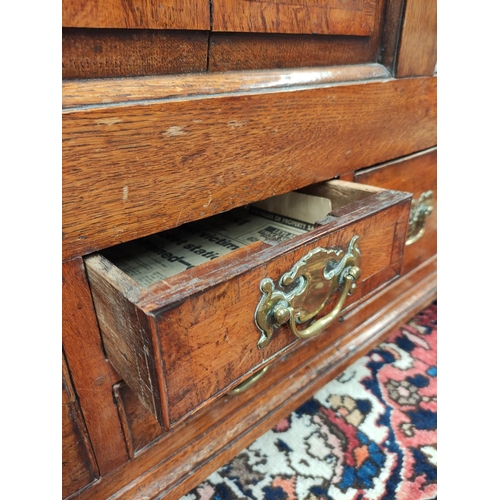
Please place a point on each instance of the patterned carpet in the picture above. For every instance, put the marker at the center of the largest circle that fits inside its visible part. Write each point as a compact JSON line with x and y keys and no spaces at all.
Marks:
{"x":368,"y":435}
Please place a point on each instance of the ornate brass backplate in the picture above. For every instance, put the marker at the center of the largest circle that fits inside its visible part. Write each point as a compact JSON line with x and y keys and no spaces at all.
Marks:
{"x":303,"y":291}
{"x":420,"y":210}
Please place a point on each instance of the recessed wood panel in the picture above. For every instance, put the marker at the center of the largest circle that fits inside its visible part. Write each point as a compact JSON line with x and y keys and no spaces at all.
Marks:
{"x":108,"y":53}
{"x":239,"y":51}
{"x":153,"y":14}
{"x":327,"y":17}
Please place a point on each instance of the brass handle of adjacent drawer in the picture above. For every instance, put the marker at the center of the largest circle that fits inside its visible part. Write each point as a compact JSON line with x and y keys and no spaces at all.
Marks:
{"x":303,"y":291}
{"x":249,"y":382}
{"x":418,"y":217}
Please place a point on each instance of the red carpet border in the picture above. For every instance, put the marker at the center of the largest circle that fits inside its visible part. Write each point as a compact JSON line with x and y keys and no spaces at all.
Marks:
{"x":368,"y":435}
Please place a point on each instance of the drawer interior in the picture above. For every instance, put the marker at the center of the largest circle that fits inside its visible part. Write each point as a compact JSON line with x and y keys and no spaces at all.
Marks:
{"x":157,"y":257}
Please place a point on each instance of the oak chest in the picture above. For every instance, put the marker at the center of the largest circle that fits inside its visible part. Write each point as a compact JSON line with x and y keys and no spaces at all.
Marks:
{"x":249,"y":204}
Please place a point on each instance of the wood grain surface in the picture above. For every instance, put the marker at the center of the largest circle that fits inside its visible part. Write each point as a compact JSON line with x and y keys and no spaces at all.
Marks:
{"x":111,"y":53}
{"x":123,"y":90}
{"x":136,"y":169}
{"x":128,"y":335}
{"x":326,"y":17}
{"x":391,"y":33}
{"x":415,"y":174}
{"x":209,"y":343}
{"x":239,"y":51}
{"x":78,"y":463}
{"x":182,"y":458}
{"x":139,"y":426}
{"x":90,"y":369}
{"x":152,"y":14}
{"x":247,"y":51}
{"x":418,"y":45}
{"x":145,"y":154}
{"x":199,"y":338}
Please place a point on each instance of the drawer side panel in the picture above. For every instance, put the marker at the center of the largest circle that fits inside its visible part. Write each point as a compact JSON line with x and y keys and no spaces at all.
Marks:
{"x":127,"y":338}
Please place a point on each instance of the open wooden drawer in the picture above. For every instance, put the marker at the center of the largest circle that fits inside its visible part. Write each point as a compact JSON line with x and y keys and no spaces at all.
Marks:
{"x":192,"y":313}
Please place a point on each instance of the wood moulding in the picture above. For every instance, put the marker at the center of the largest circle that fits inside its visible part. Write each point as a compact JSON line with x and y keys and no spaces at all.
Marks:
{"x":183,"y":457}
{"x":389,"y":42}
{"x":111,"y":91}
{"x":137,"y":168}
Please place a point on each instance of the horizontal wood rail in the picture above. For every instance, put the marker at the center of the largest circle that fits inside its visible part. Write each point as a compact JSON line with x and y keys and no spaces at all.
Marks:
{"x":105,"y":92}
{"x":136,"y":169}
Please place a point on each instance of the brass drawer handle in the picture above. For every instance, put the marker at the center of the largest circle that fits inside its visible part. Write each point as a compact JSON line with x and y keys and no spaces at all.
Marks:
{"x":249,"y":382}
{"x":304,"y":290}
{"x":418,"y":216}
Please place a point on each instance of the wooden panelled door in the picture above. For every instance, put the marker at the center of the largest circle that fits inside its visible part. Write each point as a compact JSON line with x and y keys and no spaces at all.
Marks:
{"x":103,"y":39}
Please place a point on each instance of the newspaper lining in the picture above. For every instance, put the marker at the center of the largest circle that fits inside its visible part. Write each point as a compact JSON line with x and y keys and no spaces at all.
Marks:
{"x":155,"y":258}
{"x":161,"y":256}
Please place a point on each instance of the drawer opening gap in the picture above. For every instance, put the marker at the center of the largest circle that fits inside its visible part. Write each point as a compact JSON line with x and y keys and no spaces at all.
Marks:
{"x":155,"y":258}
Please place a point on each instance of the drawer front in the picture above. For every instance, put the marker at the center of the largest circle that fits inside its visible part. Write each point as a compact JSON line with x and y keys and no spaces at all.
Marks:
{"x":416,"y":174}
{"x":191,"y":338}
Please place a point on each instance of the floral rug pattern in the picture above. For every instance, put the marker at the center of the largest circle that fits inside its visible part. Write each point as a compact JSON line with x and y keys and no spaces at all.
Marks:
{"x":370,"y":434}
